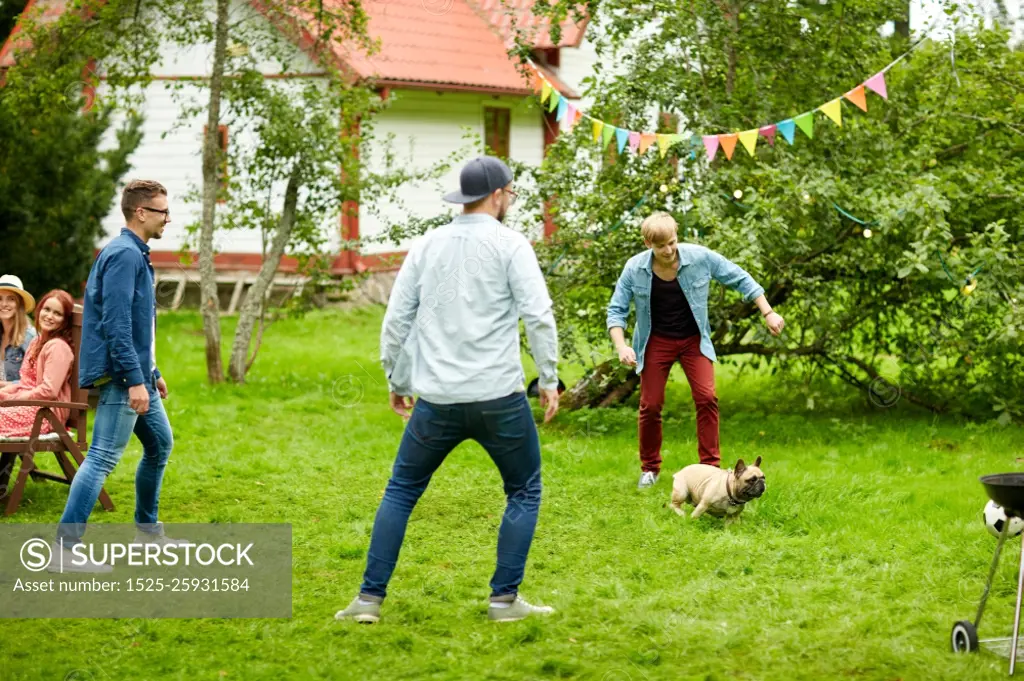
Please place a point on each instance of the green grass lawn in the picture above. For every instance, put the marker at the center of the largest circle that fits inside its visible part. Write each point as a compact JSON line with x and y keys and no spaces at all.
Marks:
{"x":866,"y":547}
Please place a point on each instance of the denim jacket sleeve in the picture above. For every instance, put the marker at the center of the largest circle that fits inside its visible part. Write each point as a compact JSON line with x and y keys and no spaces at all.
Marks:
{"x":118,"y":286}
{"x":618,"y":307}
{"x":734,"y":276}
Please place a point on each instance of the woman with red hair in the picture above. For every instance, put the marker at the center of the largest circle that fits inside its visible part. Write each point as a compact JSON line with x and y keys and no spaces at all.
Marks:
{"x":46,"y":369}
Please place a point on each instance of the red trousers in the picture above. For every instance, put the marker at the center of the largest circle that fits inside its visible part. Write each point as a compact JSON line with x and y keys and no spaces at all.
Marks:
{"x":659,"y":357}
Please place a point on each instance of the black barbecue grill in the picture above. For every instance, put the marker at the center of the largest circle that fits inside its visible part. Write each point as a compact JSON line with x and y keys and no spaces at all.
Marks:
{"x":1007,"y":490}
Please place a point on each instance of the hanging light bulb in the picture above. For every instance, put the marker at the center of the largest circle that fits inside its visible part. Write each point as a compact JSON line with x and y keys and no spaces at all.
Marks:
{"x":738,"y":194}
{"x":664,"y":189}
{"x":867,"y":232}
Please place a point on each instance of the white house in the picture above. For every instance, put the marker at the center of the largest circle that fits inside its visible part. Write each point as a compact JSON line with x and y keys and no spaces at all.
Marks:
{"x":444,"y":67}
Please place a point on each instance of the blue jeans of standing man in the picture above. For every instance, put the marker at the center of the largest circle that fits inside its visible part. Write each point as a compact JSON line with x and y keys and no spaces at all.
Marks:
{"x":505,"y":428}
{"x":114,"y":425}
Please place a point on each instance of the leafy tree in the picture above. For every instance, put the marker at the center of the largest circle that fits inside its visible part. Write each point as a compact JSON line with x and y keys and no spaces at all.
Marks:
{"x":58,"y":178}
{"x":301,"y":165}
{"x":863,"y":237}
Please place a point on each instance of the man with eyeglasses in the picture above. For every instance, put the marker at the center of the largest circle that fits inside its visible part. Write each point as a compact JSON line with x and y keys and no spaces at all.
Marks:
{"x":451,"y":337}
{"x":119,"y":359}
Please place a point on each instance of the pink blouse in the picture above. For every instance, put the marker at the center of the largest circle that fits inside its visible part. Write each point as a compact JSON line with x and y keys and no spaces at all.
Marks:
{"x":48,"y":379}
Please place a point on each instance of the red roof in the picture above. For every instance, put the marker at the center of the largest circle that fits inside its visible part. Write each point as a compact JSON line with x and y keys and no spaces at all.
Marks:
{"x":435,"y":41}
{"x":50,"y":9}
{"x":443,"y":44}
{"x":446,"y":44}
{"x":500,"y":13}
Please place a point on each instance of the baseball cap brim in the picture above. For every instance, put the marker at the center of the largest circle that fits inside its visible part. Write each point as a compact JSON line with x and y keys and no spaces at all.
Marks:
{"x":459,"y":197}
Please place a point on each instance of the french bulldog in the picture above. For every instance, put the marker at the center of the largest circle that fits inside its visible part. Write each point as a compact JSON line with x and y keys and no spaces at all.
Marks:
{"x":722,"y":493}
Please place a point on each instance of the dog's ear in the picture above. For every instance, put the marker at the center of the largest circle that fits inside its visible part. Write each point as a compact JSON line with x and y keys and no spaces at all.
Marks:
{"x":757,"y":463}
{"x":740,"y":467}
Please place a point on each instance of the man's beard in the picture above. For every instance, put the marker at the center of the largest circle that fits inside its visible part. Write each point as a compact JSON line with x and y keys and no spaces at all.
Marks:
{"x":501,"y":214}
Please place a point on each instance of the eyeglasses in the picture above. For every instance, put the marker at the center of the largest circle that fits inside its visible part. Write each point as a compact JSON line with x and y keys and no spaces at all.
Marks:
{"x":166,"y":213}
{"x":512,"y":196}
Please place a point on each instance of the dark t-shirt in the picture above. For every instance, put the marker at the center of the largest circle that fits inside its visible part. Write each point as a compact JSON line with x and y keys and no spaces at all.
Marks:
{"x":670,"y":313}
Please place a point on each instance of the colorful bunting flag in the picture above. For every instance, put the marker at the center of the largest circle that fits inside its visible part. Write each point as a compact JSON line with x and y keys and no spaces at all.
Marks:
{"x":711,"y":144}
{"x":664,"y":142}
{"x":833,"y":110}
{"x":728,"y":143}
{"x":805,"y":122}
{"x":876,"y":83}
{"x":749,"y":140}
{"x":788,"y":129}
{"x":857,"y":96}
{"x":545,"y":91}
{"x":641,"y":141}
{"x":607,"y":134}
{"x":553,"y":102}
{"x":621,"y":136}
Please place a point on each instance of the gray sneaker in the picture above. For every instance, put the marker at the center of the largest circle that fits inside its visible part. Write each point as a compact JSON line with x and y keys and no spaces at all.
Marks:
{"x":517,"y":609}
{"x":367,"y":612}
{"x":647,"y":479}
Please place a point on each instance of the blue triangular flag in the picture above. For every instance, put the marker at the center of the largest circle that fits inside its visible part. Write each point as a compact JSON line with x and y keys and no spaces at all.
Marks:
{"x":563,"y":106}
{"x":621,"y":136}
{"x":787,"y":128}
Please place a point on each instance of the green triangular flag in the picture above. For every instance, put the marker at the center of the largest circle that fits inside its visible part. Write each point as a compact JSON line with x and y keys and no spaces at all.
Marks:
{"x":805,"y":122}
{"x":553,"y":103}
{"x":607,"y":134}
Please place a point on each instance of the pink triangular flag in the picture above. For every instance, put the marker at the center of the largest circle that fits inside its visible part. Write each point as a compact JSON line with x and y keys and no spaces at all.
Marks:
{"x":768,"y":132}
{"x":711,"y":144}
{"x":876,"y":83}
{"x":570,"y":115}
{"x":634,"y":141}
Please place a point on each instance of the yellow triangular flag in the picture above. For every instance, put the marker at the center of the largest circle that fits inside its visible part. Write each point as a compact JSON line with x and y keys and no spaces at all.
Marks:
{"x":834,"y":110}
{"x":749,"y":139}
{"x":598,"y":125}
{"x":545,"y":91}
{"x":664,"y":141}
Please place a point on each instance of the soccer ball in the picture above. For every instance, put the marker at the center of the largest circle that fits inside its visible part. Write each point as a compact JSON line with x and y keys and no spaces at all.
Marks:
{"x":995,"y":518}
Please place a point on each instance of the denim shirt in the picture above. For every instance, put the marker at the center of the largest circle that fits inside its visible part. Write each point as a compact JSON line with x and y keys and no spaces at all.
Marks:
{"x":14,"y":355}
{"x":697,"y":267}
{"x":119,"y":316}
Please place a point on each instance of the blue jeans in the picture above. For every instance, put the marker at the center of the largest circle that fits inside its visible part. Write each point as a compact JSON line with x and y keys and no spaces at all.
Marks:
{"x":114,"y":425}
{"x":505,"y":428}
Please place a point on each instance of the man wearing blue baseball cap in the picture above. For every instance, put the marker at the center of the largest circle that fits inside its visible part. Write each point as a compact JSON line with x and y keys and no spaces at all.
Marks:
{"x":451,"y":336}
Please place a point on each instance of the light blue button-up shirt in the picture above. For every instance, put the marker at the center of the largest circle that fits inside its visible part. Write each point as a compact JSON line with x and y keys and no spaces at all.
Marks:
{"x":697,"y":267}
{"x":451,"y":331}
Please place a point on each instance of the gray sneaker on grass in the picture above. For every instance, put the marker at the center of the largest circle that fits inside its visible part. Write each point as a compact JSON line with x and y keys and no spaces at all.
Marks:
{"x":363,"y":609}
{"x":517,"y":609}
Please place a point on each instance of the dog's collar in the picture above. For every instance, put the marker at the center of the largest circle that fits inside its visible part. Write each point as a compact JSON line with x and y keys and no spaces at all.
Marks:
{"x":733,"y":501}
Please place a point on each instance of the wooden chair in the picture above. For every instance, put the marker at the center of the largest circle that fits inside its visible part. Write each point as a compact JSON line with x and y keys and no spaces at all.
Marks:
{"x":58,"y":441}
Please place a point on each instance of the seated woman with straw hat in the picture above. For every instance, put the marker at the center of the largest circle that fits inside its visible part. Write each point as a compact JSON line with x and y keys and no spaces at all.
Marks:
{"x":17,"y":331}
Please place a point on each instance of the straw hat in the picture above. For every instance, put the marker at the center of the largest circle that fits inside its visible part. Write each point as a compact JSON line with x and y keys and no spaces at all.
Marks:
{"x":12,"y":284}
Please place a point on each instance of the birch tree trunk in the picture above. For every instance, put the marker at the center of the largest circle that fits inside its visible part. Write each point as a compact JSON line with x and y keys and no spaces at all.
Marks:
{"x":212,"y":160}
{"x":255,"y":298}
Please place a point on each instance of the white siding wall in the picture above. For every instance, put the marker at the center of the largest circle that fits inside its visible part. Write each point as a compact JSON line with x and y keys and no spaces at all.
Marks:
{"x":170,"y":151}
{"x":429,"y":126}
